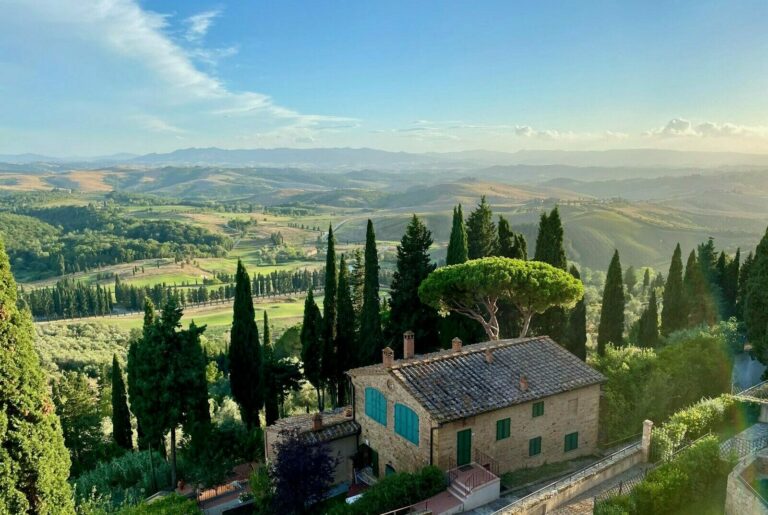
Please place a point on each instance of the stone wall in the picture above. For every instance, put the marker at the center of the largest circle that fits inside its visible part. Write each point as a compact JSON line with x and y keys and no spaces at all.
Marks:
{"x":393,"y":449}
{"x":741,"y":498}
{"x":565,"y":413}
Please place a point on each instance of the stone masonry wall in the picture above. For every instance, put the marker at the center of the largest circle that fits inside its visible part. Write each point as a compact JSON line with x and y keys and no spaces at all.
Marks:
{"x":565,"y":413}
{"x":393,"y":449}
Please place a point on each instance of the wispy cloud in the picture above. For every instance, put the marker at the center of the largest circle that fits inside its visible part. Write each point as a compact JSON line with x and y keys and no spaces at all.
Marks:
{"x":682,"y":128}
{"x":156,"y":124}
{"x":198,"y":24}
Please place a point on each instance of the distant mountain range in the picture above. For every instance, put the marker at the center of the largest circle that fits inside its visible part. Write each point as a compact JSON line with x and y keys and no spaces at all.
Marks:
{"x":345,"y":159}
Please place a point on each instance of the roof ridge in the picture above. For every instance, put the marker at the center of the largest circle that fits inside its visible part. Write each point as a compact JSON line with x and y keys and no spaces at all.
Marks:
{"x":479,"y":347}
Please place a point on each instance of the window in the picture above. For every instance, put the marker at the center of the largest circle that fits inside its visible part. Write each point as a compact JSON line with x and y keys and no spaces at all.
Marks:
{"x":538,"y":408}
{"x":407,"y":423}
{"x":571,"y":441}
{"x":502,"y":428}
{"x":376,"y":405}
{"x":534,"y":446}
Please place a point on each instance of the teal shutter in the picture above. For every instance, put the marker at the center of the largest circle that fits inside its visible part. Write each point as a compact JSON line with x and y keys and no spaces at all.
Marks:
{"x":503,"y":428}
{"x":407,"y":423}
{"x":534,"y":446}
{"x":538,"y":409}
{"x":571,"y":441}
{"x":376,"y":405}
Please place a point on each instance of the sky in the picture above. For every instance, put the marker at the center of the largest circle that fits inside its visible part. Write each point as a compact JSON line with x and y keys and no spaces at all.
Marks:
{"x":96,"y":77}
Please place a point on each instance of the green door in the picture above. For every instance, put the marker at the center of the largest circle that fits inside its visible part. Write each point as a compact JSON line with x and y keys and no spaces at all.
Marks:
{"x":463,"y":447}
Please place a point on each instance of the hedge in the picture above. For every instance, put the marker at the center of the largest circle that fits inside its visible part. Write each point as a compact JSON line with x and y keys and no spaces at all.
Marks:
{"x":396,"y":491}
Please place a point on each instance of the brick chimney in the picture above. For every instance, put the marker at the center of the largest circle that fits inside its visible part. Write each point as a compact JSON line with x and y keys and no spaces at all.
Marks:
{"x":523,"y":383}
{"x":409,"y":344}
{"x":489,"y":356}
{"x":317,"y":422}
{"x":456,"y":344}
{"x":387,"y":357}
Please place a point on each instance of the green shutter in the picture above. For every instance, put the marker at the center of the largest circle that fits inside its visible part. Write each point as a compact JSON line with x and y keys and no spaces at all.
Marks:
{"x":376,"y":405}
{"x":538,"y":408}
{"x":407,"y":423}
{"x":571,"y":441}
{"x":503,"y":428}
{"x":534,"y":446}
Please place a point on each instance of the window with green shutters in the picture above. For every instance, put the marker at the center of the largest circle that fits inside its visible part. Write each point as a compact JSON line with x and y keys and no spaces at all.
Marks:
{"x":503,"y":428}
{"x":571,"y":441}
{"x":534,"y":446}
{"x":407,"y":423}
{"x":376,"y":405}
{"x":538,"y":408}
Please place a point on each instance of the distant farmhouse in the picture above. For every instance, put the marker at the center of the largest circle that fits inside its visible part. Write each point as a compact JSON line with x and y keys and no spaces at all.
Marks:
{"x":504,"y":405}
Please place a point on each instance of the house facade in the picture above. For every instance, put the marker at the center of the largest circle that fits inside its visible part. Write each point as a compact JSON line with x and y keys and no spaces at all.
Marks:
{"x":507,"y":404}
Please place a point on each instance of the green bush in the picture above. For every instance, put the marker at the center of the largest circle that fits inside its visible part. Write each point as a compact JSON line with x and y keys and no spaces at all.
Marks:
{"x":124,"y":480}
{"x":396,"y":491}
{"x":170,"y":505}
{"x":693,"y":481}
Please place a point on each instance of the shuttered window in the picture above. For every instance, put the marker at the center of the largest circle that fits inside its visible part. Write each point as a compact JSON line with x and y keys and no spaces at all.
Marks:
{"x":407,"y":423}
{"x":376,"y":405}
{"x":538,"y":408}
{"x":571,"y":441}
{"x":502,"y":428}
{"x":534,"y":446}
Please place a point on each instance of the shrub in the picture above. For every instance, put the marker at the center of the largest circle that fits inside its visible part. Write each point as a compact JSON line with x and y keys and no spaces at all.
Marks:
{"x":396,"y":491}
{"x":173,"y":504}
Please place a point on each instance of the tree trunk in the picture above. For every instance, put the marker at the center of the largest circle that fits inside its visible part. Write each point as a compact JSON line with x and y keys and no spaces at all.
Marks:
{"x":152,"y":468}
{"x":173,"y":458}
{"x":526,"y":324}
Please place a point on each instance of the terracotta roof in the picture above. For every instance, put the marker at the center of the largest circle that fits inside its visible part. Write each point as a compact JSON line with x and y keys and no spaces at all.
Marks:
{"x":454,"y":385}
{"x":335,"y":425}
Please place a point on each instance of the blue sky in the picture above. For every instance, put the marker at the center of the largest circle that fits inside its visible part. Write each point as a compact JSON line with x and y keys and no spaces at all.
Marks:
{"x":80,"y":77}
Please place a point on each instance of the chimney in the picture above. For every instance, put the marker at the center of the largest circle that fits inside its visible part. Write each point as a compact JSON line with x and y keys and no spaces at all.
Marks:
{"x":317,"y":422}
{"x":408,"y":344}
{"x":489,"y":356}
{"x":456,"y":344}
{"x":387,"y":357}
{"x":523,"y":383}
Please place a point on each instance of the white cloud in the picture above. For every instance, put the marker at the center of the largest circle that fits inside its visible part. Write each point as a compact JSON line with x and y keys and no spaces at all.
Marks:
{"x":156,"y":124}
{"x":680,"y":127}
{"x":198,"y":24}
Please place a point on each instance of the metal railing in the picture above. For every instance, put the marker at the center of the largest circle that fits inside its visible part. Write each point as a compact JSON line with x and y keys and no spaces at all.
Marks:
{"x":753,"y":491}
{"x":486,"y":461}
{"x":479,"y":478}
{"x":579,"y":474}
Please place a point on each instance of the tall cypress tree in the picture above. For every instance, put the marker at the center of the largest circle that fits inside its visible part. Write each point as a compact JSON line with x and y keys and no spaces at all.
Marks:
{"x":121,"y":417}
{"x":576,"y":335}
{"x":34,"y":463}
{"x":371,"y":338}
{"x":674,"y":309}
{"x":345,"y":333}
{"x":511,"y":244}
{"x":611,"y":327}
{"x":482,"y":240}
{"x":356,"y":281}
{"x":698,"y":291}
{"x":457,"y":244}
{"x":756,"y":301}
{"x":407,"y":312}
{"x":312,"y":347}
{"x":269,"y":387}
{"x":648,"y":325}
{"x":646,"y":280}
{"x":549,"y":249}
{"x":730,"y":285}
{"x":245,"y":351}
{"x":329,"y":365}
{"x":743,"y":288}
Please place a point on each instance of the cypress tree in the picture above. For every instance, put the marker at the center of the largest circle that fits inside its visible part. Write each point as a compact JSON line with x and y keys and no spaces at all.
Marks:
{"x":407,"y":313}
{"x":34,"y":463}
{"x":756,"y":301}
{"x":674,"y":310}
{"x":356,"y":281}
{"x":371,"y":338}
{"x":730,"y":285}
{"x":701,"y":303}
{"x":511,"y":244}
{"x":648,"y":326}
{"x":312,"y":347}
{"x":646,"y":280}
{"x":630,"y":278}
{"x":611,"y":327}
{"x":345,"y":333}
{"x":329,"y":365}
{"x":482,"y":240}
{"x":121,"y":417}
{"x":576,"y":335}
{"x":269,"y":388}
{"x":741,"y":296}
{"x":457,"y":244}
{"x":245,"y":351}
{"x":549,"y":249}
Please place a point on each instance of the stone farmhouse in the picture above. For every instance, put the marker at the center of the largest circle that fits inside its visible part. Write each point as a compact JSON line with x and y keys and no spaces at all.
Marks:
{"x":498,"y":406}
